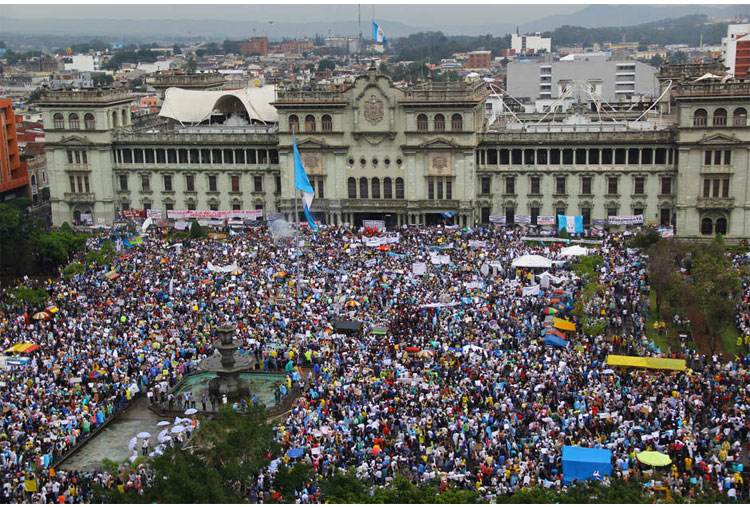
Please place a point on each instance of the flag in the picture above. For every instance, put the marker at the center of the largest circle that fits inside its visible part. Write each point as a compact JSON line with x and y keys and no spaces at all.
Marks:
{"x":571,"y":223}
{"x":303,"y":184}
{"x":136,"y":240}
{"x":377,"y":33}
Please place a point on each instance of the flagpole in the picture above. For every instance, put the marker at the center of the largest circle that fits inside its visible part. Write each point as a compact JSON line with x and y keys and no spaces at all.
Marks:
{"x":296,"y":218}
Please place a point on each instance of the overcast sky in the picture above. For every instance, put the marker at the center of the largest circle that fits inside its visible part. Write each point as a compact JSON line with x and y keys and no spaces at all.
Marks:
{"x":411,"y":14}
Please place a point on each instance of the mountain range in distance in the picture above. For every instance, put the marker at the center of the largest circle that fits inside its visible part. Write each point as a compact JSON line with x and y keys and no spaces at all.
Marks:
{"x":591,"y":16}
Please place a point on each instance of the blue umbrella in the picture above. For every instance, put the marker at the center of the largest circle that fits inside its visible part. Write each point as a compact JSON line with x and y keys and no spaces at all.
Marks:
{"x":295,"y":453}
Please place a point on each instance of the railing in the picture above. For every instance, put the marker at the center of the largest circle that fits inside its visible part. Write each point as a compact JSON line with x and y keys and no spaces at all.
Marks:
{"x":294,"y":96}
{"x":711,"y":89}
{"x":714,"y":202}
{"x":577,"y":133}
{"x":185,"y":79}
{"x":98,"y":95}
{"x":80,"y":198}
{"x":14,"y":183}
{"x":230,"y":135}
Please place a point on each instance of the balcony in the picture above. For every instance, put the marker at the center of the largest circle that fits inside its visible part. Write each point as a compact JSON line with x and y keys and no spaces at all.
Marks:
{"x":714,"y":202}
{"x":78,"y":168}
{"x":83,"y":198}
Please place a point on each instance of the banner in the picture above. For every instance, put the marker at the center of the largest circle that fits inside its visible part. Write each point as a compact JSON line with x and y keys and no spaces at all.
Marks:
{"x":571,"y":223}
{"x":274,"y":216}
{"x":475,"y":243}
{"x":419,"y":268}
{"x":222,"y":269}
{"x":133,"y":213}
{"x":522,"y":219}
{"x":625,"y":220}
{"x":498,"y":220}
{"x":545,"y":220}
{"x":369,"y":263}
{"x":181,"y":225}
{"x":153,"y":213}
{"x":599,"y":221}
{"x":253,"y":214}
{"x":378,"y":225}
{"x":530,"y":291}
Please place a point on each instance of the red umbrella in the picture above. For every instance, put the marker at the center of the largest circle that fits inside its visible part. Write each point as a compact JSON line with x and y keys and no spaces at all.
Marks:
{"x":384,"y":247}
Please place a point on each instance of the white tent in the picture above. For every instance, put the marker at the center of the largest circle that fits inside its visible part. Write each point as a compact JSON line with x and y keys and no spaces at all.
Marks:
{"x":574,"y":251}
{"x":531,"y":261}
{"x":195,"y":106}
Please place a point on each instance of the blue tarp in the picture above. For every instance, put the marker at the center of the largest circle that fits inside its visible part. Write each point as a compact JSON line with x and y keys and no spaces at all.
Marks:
{"x":555,"y":341}
{"x":582,"y":463}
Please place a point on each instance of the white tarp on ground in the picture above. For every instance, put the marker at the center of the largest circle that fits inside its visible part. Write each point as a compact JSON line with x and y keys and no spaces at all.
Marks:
{"x":195,"y":106}
{"x":574,"y":251}
{"x":531,"y":261}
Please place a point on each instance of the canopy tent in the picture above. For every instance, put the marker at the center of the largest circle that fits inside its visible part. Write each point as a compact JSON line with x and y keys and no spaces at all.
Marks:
{"x":581,"y":463}
{"x":653,"y":458}
{"x":565,"y":325}
{"x":554,"y":341}
{"x":195,"y":106}
{"x":348,"y":326}
{"x":531,"y":261}
{"x":656,"y":363}
{"x":574,"y":251}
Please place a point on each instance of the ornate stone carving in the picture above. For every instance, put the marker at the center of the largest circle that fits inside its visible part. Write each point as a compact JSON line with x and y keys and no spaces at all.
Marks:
{"x":374,"y":110}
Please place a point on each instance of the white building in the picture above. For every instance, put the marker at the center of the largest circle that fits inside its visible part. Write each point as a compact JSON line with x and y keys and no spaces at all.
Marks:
{"x":529,"y":43}
{"x":729,"y":44}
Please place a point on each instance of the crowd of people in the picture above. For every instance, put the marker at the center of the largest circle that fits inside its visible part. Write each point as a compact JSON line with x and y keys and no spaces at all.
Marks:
{"x":461,"y":388}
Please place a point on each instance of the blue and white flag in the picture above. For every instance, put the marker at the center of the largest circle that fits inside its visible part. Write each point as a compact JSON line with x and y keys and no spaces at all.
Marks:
{"x":303,"y":184}
{"x":448,"y":214}
{"x":571,"y":223}
{"x":378,"y":34}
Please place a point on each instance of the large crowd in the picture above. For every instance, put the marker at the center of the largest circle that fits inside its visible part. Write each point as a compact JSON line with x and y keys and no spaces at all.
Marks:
{"x":461,"y":388}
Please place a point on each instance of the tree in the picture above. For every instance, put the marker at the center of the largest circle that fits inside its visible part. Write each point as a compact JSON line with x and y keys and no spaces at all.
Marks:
{"x":176,"y":50}
{"x":196,"y":230}
{"x":660,"y":270}
{"x":289,"y":480}
{"x":190,"y":66}
{"x":35,"y":95}
{"x":326,"y":64}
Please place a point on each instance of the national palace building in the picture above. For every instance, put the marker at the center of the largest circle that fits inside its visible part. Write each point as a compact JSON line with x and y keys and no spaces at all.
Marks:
{"x":373,"y":150}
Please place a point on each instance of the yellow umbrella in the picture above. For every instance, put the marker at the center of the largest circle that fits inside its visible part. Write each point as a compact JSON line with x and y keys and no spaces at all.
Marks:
{"x":653,"y":458}
{"x":40,"y":316}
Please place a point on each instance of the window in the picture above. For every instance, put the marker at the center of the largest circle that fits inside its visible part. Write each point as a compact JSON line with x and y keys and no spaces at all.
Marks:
{"x":160,"y":156}
{"x":720,"y":117}
{"x":72,"y":184}
{"x":351,"y":185}
{"x":229,"y":156}
{"x":59,"y":121}
{"x":78,"y":156}
{"x":70,"y":157}
{"x":190,"y":182}
{"x":124,"y":117}
{"x":510,"y":185}
{"x":528,"y":156}
{"x":239,"y":156}
{"x":149,"y":154}
{"x":422,"y":123}
{"x":430,"y":188}
{"x":620,"y":154}
{"x":80,"y":184}
{"x":700,"y":118}
{"x":258,"y":183}
{"x":278,"y":184}
{"x":534,"y":215}
{"x":214,"y":207}
{"x":727,"y":157}
{"x":510,"y":215}
{"x":725,"y":187}
{"x":554,"y":157}
{"x":363,"y":188}
{"x":717,"y":157}
{"x":707,"y":158}
{"x":740,"y":117}
{"x":637,"y":211}
{"x":90,"y":123}
{"x":138,"y":155}
{"x":567,"y":157}
{"x":167,"y":182}
{"x":114,"y":119}
{"x":309,"y":123}
{"x":169,"y":206}
{"x":516,"y":157}
{"x":586,"y":185}
{"x":707,"y":226}
{"x":612,"y":186}
{"x":647,"y":156}
{"x":321,"y":189}
{"x":183,"y":155}
{"x":145,"y":184}
{"x":212,"y":183}
{"x":560,"y":185}
{"x":541,"y":157}
{"x":215,"y":156}
{"x":448,"y":189}
{"x":580,"y":156}
{"x":439,"y":184}
{"x":146,"y":204}
{"x":593,"y":157}
{"x":399,"y":188}
{"x":666,"y":186}
{"x":504,"y":157}
{"x":639,"y":184}
{"x":485,"y":215}
{"x":327,"y":123}
{"x":439,"y":123}
{"x":235,"y":183}
{"x":457,"y":123}
{"x":611,"y":212}
{"x":535,"y":185}
{"x":721,"y":226}
{"x":586,"y":213}
{"x":607,"y":156}
{"x":387,"y":189}
{"x":375,"y":188}
{"x":125,"y":206}
{"x":294,"y":123}
{"x":665,"y":218}
{"x":706,"y":187}
{"x":74,"y":122}
{"x":485,"y":185}
{"x":235,"y":207}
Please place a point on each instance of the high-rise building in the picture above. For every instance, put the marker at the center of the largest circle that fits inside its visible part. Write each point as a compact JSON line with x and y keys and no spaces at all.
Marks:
{"x":479,"y":60}
{"x":14,"y":177}
{"x":257,"y":45}
{"x":522,"y":44}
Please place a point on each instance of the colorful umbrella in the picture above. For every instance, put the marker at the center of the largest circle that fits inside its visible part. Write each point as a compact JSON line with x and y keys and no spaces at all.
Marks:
{"x":653,"y":458}
{"x":550,"y":311}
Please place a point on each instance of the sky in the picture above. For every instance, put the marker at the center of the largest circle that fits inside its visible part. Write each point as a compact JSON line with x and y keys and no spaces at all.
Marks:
{"x":411,"y":14}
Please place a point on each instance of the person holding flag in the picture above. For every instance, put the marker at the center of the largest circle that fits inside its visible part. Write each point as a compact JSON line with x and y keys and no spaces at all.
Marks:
{"x":302,"y":184}
{"x":378,"y":34}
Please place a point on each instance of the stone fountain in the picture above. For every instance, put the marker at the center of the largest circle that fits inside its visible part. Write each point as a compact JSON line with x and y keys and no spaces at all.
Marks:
{"x":227,"y":365}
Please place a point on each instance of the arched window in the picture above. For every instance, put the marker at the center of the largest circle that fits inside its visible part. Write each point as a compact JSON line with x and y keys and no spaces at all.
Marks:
{"x":439,"y":123}
{"x":89,"y":122}
{"x":399,"y":188}
{"x":720,"y":117}
{"x":294,"y":123}
{"x":740,"y":117}
{"x":707,"y":227}
{"x":457,"y":123}
{"x":376,"y":188}
{"x":74,"y":122}
{"x":700,"y":118}
{"x":363,"y":194}
{"x":387,"y":189}
{"x":309,"y":123}
{"x":124,"y":118}
{"x":422,"y":123}
{"x":352,"y":188}
{"x":114,"y":119}
{"x":721,"y":226}
{"x":327,"y":123}
{"x":59,"y":121}
{"x":33,"y":180}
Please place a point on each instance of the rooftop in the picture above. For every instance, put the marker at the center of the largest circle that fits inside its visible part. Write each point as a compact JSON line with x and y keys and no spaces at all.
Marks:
{"x":87,"y":95}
